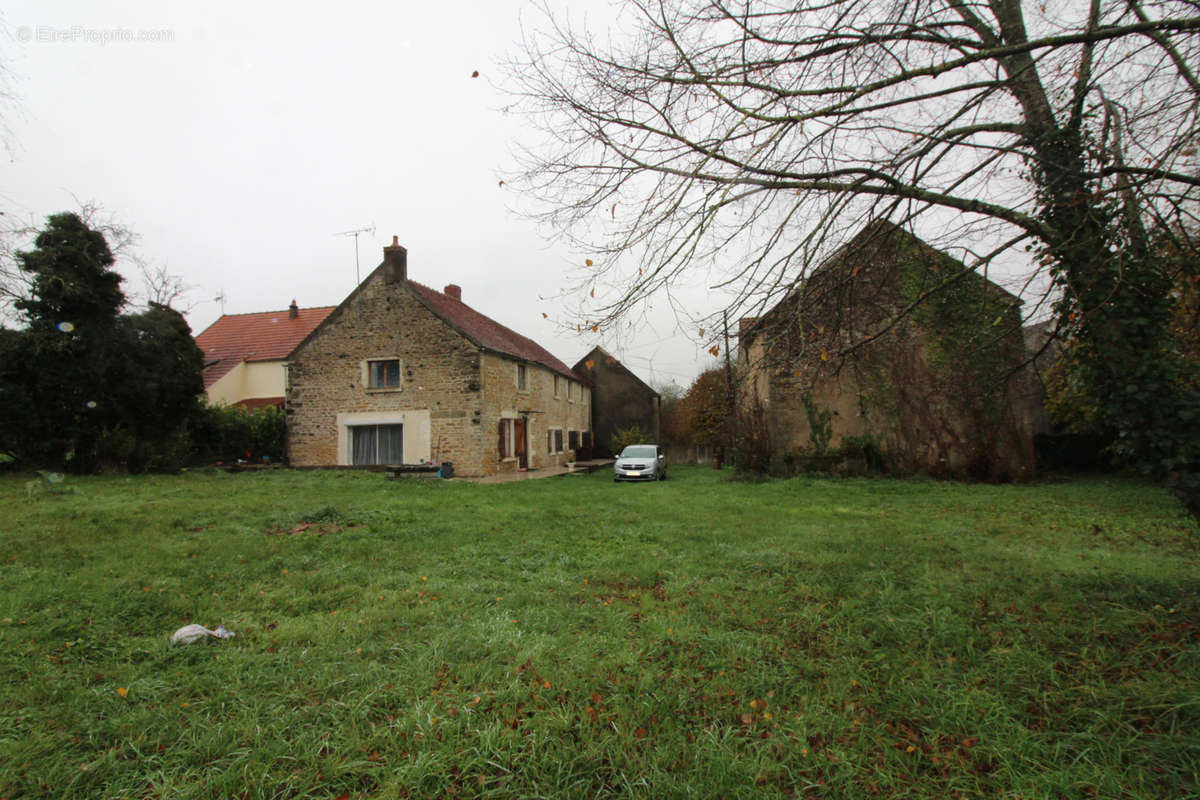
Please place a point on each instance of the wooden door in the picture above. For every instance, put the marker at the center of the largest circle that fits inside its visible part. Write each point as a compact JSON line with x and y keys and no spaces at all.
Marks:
{"x":519,"y":443}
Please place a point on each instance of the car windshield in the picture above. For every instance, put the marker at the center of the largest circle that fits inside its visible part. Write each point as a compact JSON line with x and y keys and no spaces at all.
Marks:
{"x":638,"y":451}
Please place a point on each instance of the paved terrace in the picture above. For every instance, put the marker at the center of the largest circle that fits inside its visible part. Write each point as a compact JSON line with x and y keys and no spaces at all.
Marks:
{"x":580,"y":467}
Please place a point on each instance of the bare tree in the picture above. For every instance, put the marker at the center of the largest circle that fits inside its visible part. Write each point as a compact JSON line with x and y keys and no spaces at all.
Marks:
{"x":17,"y":233}
{"x":162,"y":287}
{"x":1050,"y":142}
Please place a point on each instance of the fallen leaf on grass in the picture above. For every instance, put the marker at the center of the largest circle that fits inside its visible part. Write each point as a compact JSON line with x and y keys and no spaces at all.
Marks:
{"x":122,"y":691}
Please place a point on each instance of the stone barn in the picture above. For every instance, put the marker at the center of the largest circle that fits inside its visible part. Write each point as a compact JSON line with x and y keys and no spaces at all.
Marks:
{"x":620,"y":399}
{"x":893,"y":345}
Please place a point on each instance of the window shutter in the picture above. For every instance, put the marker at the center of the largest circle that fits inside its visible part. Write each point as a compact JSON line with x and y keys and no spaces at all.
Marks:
{"x":503,"y":449}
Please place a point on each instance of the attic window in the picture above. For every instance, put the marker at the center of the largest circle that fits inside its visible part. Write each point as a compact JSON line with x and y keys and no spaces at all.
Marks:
{"x":383,"y":373}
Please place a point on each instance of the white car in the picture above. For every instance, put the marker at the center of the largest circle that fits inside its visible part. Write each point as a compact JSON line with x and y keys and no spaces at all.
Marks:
{"x":641,"y":462}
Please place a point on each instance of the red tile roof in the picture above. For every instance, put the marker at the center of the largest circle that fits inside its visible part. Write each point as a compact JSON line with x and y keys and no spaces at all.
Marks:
{"x":486,"y":332}
{"x":264,"y":336}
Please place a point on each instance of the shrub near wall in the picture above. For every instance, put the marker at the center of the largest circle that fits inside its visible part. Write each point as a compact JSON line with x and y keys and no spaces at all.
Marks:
{"x":229,"y":433}
{"x":623,"y":438}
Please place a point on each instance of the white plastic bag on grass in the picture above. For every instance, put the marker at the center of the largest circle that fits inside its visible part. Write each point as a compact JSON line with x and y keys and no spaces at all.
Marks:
{"x":190,"y":634}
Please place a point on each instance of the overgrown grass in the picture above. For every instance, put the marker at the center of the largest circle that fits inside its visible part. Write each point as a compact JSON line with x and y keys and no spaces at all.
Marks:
{"x":570,"y":638}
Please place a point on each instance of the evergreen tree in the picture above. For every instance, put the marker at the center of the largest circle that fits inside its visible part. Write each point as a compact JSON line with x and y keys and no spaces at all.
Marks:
{"x":82,"y":383}
{"x":62,"y":360}
{"x":161,"y":386}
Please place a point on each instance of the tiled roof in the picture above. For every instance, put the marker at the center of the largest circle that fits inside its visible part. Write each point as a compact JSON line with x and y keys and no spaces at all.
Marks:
{"x":486,"y":332}
{"x":264,"y":336}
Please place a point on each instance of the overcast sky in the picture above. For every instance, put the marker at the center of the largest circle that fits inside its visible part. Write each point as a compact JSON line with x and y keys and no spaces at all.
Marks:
{"x":238,"y":140}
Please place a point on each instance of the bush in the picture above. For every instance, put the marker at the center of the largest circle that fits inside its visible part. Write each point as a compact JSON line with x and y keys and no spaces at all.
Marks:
{"x":868,"y":448}
{"x":229,"y":433}
{"x":755,"y":447}
{"x":623,"y":438}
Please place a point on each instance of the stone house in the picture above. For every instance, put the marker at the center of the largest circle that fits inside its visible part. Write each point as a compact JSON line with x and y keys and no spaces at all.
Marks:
{"x":620,"y":399}
{"x":245,"y":355}
{"x":400,"y":373}
{"x":893,"y":345}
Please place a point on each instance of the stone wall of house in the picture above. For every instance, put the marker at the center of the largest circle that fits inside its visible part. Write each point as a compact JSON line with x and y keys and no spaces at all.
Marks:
{"x":837,"y":394}
{"x":440,"y":392}
{"x":927,"y":415}
{"x":939,"y":390}
{"x":550,"y":401}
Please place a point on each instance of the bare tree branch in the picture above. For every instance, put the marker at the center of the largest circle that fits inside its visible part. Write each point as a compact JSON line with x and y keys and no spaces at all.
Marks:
{"x":712,"y":128}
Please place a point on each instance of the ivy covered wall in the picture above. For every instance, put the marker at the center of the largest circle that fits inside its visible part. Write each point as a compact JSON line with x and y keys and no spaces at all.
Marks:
{"x":907,"y":348}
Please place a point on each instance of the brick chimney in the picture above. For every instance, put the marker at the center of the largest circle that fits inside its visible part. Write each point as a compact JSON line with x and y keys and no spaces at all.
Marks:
{"x":395,"y":259}
{"x":454,"y":290}
{"x":293,"y":310}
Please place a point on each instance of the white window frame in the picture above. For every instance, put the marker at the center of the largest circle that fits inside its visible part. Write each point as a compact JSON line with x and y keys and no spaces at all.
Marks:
{"x":416,"y":432}
{"x":522,"y":371}
{"x":365,"y":367}
{"x":558,"y":379}
{"x":559,"y":440}
{"x":354,"y":430}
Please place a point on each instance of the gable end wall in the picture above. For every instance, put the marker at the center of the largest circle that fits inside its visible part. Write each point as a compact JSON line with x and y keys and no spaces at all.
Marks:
{"x":440,"y":395}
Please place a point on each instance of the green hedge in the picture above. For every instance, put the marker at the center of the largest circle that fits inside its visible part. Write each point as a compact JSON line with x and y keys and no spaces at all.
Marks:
{"x":229,"y":433}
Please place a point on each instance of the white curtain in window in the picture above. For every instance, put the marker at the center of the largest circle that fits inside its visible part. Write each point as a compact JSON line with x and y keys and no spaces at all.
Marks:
{"x":377,"y":444}
{"x":391,"y":444}
{"x":364,"y":444}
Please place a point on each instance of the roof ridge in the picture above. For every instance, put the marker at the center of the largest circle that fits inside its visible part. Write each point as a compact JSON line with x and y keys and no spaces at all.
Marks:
{"x":545,"y":358}
{"x":275,"y":311}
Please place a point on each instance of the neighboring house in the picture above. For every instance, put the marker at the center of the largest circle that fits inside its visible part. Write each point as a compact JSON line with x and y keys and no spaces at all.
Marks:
{"x":897,"y":345}
{"x":245,"y":355}
{"x":400,"y":373}
{"x":620,"y":400}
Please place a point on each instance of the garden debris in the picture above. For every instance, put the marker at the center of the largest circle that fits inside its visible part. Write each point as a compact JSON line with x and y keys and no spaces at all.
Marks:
{"x":311,"y":528}
{"x":190,"y":634}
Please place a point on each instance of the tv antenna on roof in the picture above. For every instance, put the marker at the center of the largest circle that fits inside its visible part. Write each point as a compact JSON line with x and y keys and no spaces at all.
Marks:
{"x":355,"y":233}
{"x":220,"y":298}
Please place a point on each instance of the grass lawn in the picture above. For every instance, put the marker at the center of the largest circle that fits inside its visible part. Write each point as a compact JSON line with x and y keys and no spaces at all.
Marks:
{"x":571,"y":637}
